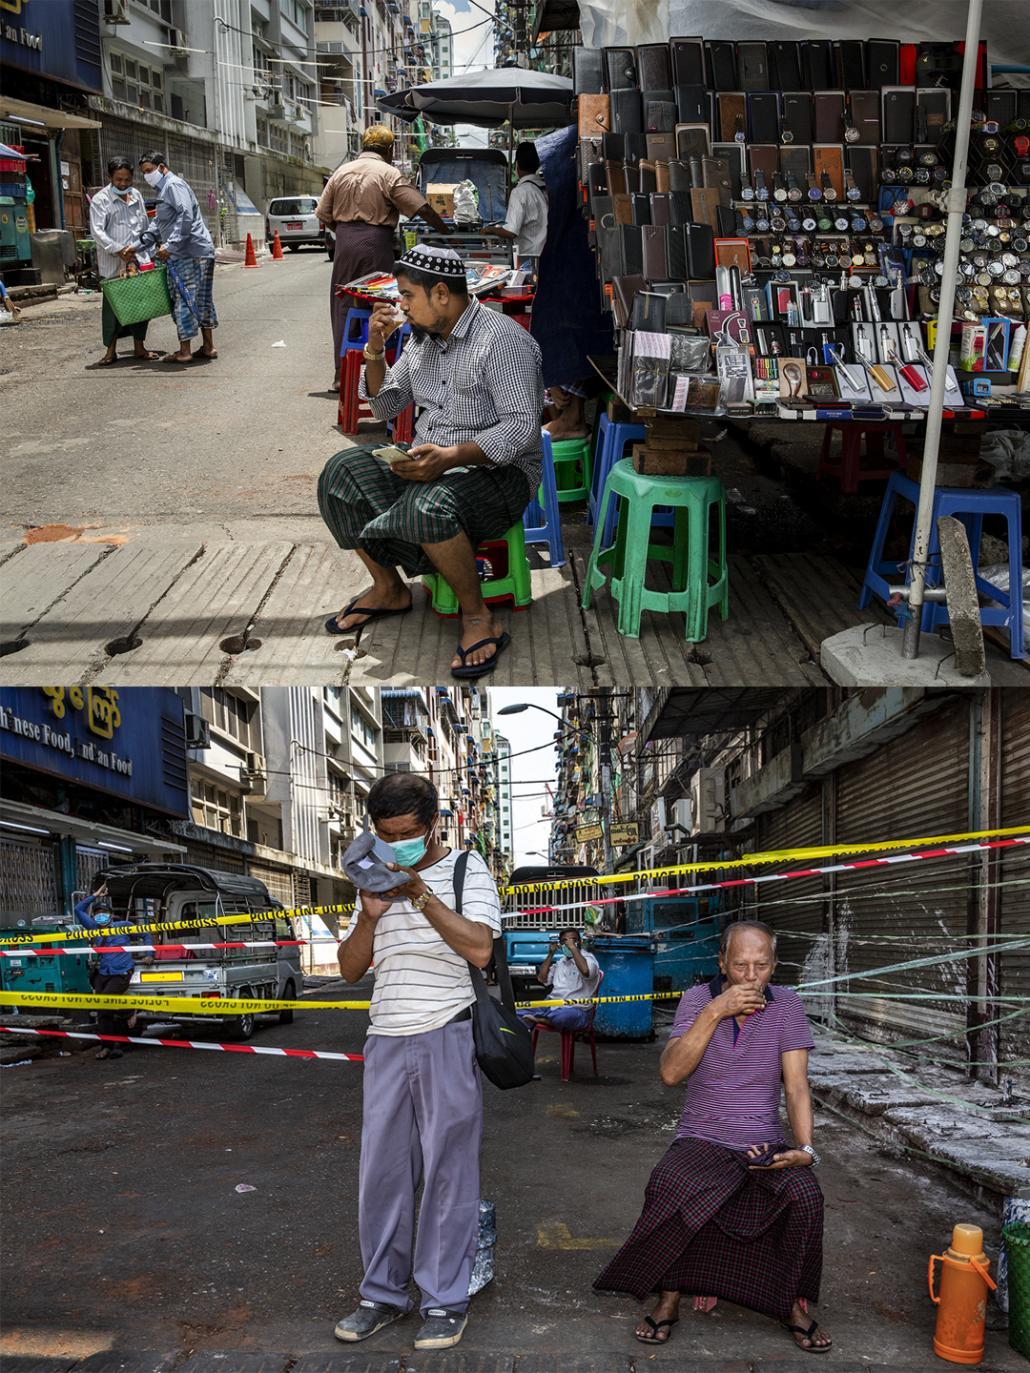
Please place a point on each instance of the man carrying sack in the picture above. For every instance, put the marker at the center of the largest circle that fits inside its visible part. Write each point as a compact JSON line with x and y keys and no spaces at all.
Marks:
{"x":422,"y":1114}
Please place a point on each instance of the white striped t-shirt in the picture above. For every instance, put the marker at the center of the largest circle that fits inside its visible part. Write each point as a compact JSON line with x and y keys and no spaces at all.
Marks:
{"x":420,"y":982}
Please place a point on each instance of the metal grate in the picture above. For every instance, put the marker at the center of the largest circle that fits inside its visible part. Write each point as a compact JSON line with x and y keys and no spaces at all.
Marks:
{"x":88,"y":863}
{"x":28,"y":880}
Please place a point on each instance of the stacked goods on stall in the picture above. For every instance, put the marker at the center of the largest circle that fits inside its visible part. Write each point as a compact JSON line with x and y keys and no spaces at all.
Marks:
{"x":672,"y":448}
{"x":769,"y":224}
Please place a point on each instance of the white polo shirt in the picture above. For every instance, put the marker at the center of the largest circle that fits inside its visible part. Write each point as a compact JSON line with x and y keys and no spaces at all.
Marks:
{"x":567,"y":980}
{"x":420,"y":982}
{"x":527,"y":215}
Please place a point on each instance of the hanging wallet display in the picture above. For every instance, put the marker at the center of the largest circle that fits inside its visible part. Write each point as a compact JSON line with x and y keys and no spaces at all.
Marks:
{"x":693,"y":105}
{"x":764,"y":158}
{"x":615,"y":176}
{"x":661,"y":147}
{"x":661,"y":209}
{"x":692,"y":140}
{"x":659,"y":115}
{"x":865,"y":116}
{"x":829,"y":116}
{"x":899,"y":114}
{"x":636,"y":145}
{"x":640,"y":208}
{"x":661,"y":174}
{"x":763,"y":117}
{"x":864,"y":164}
{"x":593,"y":115}
{"x":715,"y":173}
{"x":818,"y":70}
{"x":655,"y":252}
{"x":679,"y":176}
{"x":732,"y":106}
{"x":654,"y":66}
{"x":704,"y":203}
{"x":829,"y":159}
{"x":648,"y":178}
{"x":681,"y":208}
{"x":700,"y":242}
{"x":624,"y":290}
{"x":587,"y":71}
{"x":933,"y":112}
{"x":622,"y":208}
{"x":632,"y":247}
{"x":1001,"y":106}
{"x":883,"y":63}
{"x":784,"y":66}
{"x":798,"y":119}
{"x":722,"y":66}
{"x":687,"y":56}
{"x":850,"y":56}
{"x":734,"y":156}
{"x":627,"y":111}
{"x":796,"y":160}
{"x":753,"y":66}
{"x":620,"y":69}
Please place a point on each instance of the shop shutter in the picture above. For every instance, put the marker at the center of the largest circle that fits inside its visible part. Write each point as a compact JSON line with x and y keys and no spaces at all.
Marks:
{"x":88,"y":862}
{"x":207,"y":856}
{"x":794,"y":909}
{"x":1015,"y":864}
{"x":29,"y":886}
{"x":279,"y":881}
{"x":913,"y":787}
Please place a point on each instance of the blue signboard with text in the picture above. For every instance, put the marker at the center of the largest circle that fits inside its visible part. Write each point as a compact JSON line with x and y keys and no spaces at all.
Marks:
{"x":55,"y":38}
{"x":129,"y":742}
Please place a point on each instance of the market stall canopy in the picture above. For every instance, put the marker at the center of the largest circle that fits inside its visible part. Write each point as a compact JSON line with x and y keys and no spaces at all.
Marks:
{"x":609,"y":23}
{"x":531,"y":100}
{"x":43,"y":114}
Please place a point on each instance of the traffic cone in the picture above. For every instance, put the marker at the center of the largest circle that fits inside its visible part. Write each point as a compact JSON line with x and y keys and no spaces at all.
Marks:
{"x":277,"y":249}
{"x":251,"y":258}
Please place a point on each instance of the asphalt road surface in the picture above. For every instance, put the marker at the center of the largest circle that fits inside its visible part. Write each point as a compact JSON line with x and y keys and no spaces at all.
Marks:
{"x":123,"y":1230}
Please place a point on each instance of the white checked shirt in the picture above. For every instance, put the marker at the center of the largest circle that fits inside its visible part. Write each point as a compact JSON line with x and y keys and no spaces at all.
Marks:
{"x":483,"y":384}
{"x":115,"y":223}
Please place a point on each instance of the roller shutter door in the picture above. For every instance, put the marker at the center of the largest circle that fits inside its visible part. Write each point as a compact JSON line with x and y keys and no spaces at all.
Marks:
{"x":794,"y":909}
{"x":29,"y":886}
{"x":1014,"y":866}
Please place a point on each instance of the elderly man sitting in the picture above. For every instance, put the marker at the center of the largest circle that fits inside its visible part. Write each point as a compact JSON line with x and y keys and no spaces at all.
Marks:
{"x":476,"y":461}
{"x":732,"y":1210}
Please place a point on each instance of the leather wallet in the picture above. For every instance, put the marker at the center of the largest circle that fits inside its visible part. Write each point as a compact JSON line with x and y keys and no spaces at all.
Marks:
{"x":763,"y":116}
{"x":829,"y":158}
{"x":648,"y":180}
{"x":687,"y":56}
{"x":631,"y":171}
{"x":765,"y":158}
{"x":829,"y":116}
{"x":627,"y":111}
{"x":609,"y":249}
{"x":899,"y":114}
{"x":883,"y":62}
{"x":851,"y":64}
{"x":864,"y":164}
{"x":933,"y":111}
{"x":865,"y":116}
{"x":593,"y":115}
{"x":624,"y":291}
{"x":636,"y":145}
{"x":784,"y":66}
{"x":700,"y":242}
{"x":661,"y":209}
{"x":692,"y":140}
{"x":753,"y":66}
{"x":615,"y":176}
{"x":655,"y":251}
{"x":601,"y":205}
{"x":681,"y":208}
{"x":640,"y":208}
{"x":734,"y":155}
{"x":622,"y":208}
{"x":704,"y":203}
{"x":1001,"y":105}
{"x":654,"y":66}
{"x":661,"y":147}
{"x":613,"y":147}
{"x":722,"y":66}
{"x":587,"y":71}
{"x":715,"y":173}
{"x":589,"y":153}
{"x":661,"y":174}
{"x":693,"y":105}
{"x":796,"y":159}
{"x":648,"y":313}
{"x":679,"y":176}
{"x":732,"y":106}
{"x":659,"y":115}
{"x":798,"y":117}
{"x":632,"y":247}
{"x":677,"y":253}
{"x":620,"y":69}
{"x":818,"y":69}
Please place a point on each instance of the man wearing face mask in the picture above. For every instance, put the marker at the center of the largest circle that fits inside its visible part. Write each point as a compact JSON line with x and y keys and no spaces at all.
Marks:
{"x":573,"y":977}
{"x":180,"y":237}
{"x":422,"y":1113}
{"x":115,"y":970}
{"x":117,"y":217}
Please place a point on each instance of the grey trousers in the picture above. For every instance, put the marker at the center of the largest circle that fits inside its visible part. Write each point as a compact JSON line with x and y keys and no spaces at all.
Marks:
{"x":422,"y":1120}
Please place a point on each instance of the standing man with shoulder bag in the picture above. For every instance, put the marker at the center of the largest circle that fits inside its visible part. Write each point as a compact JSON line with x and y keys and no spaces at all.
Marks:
{"x":422,"y":1116}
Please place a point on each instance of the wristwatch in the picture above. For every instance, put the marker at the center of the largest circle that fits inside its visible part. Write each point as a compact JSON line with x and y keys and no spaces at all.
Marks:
{"x":373,"y":357}
{"x":421,"y":902}
{"x":807,"y":1149}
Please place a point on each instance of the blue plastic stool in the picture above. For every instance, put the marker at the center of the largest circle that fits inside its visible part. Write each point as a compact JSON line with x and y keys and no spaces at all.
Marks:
{"x":612,"y":438}
{"x":970,"y":507}
{"x":355,"y":328}
{"x":542,"y":516}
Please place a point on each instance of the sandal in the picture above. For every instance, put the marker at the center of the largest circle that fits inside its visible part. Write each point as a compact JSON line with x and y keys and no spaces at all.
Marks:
{"x":174,"y":357}
{"x":148,"y":355}
{"x":809,"y":1334}
{"x":108,"y":362}
{"x":332,"y":624}
{"x":655,"y":1338}
{"x":470,"y":673}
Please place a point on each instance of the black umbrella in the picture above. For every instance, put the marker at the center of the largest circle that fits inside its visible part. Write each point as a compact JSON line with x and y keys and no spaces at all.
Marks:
{"x":528,"y":99}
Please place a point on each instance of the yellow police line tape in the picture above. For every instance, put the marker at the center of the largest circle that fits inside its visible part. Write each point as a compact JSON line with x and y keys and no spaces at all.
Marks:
{"x":251,"y":1005}
{"x":345,"y":908}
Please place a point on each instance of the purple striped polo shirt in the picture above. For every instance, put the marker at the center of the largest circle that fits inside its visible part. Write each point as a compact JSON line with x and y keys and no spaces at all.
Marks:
{"x":733,"y":1095}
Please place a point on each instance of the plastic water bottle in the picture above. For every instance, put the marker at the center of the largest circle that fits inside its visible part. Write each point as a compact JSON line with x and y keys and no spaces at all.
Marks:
{"x":483,"y":1265}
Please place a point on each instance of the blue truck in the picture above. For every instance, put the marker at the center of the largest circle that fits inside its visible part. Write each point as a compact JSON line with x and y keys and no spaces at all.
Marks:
{"x":526,"y":936}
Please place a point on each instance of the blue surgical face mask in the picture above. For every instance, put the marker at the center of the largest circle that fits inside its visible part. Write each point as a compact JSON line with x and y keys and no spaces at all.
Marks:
{"x":120,"y":190}
{"x":408,"y":852}
{"x":103,"y":919}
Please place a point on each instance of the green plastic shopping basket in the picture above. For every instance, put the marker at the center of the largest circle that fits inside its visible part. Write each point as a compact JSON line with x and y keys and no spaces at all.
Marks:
{"x":136,"y":298}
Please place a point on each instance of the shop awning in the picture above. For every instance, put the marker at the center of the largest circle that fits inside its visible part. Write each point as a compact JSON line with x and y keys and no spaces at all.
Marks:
{"x":34,"y":820}
{"x":696,"y":711}
{"x":43,"y":114}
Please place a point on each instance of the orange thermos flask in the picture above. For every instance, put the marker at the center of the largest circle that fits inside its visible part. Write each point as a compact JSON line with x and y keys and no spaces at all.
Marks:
{"x":962,"y":1302}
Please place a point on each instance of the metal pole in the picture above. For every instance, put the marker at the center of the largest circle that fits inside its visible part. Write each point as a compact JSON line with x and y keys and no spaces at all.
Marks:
{"x":956,"y":206}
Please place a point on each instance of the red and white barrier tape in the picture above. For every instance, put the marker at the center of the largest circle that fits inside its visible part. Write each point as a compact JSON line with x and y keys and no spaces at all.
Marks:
{"x":187,"y":1044}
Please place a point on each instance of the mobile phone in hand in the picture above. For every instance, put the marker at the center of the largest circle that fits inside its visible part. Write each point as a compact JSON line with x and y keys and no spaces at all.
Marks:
{"x":763,"y":1160}
{"x":392,"y":454}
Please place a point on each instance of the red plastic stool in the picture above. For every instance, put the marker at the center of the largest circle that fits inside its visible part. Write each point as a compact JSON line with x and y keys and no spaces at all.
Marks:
{"x":404,"y":426}
{"x":847,"y":467}
{"x":351,"y":410}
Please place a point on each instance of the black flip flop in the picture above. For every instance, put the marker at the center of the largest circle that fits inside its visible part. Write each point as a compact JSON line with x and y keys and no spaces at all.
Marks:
{"x":656,"y":1326}
{"x":469,"y":674}
{"x":809,"y":1334}
{"x":332,"y":627}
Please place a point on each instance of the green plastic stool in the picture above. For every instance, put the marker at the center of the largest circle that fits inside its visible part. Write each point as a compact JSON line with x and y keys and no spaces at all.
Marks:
{"x":699,"y":581}
{"x":514,"y":585}
{"x":572,"y":468}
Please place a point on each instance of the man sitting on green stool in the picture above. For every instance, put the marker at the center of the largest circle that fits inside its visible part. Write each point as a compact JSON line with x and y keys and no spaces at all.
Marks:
{"x":476,"y":462}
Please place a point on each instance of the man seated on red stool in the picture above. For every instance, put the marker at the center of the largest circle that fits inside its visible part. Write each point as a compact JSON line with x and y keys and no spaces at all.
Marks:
{"x":476,"y":462}
{"x":574,"y":977}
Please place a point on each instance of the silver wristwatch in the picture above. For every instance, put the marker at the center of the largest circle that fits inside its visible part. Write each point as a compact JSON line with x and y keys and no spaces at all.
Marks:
{"x":807,"y":1149}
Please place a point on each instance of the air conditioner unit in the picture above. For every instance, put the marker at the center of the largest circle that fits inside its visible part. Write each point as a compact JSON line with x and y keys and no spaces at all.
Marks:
{"x":115,"y":12}
{"x":254,"y":771}
{"x":708,"y":799}
{"x":177,"y":39}
{"x":683,"y":816}
{"x":198,"y":731}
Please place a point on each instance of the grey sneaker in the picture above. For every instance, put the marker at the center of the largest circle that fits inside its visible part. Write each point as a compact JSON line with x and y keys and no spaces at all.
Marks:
{"x":366,"y":1319}
{"x":441,"y":1329}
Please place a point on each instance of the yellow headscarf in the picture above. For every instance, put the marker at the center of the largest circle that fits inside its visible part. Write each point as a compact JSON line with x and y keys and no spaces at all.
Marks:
{"x":378,"y":139}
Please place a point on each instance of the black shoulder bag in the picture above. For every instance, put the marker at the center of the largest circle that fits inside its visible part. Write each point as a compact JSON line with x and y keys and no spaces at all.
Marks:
{"x":504,"y":1045}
